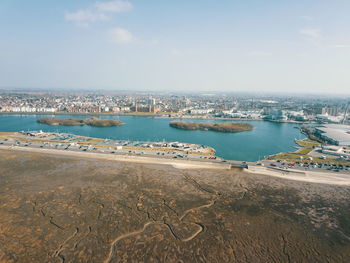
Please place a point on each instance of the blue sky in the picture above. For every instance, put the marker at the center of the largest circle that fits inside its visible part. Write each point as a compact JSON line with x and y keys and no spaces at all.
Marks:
{"x":183,"y":45}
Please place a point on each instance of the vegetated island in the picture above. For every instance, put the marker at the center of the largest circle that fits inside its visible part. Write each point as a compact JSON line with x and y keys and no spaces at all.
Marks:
{"x":219,"y":127}
{"x":80,"y":122}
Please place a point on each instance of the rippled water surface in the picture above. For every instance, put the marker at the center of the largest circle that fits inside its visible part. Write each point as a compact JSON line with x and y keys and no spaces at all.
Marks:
{"x":266,"y":138}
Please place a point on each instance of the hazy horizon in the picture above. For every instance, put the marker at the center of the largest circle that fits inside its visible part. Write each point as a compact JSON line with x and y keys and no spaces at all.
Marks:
{"x":183,"y":46}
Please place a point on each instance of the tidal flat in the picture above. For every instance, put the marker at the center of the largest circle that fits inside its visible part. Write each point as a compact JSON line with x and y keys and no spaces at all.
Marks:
{"x":60,"y":209}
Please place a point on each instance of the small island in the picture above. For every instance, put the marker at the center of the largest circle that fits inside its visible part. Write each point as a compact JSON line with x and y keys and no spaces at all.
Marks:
{"x":80,"y":122}
{"x":219,"y":127}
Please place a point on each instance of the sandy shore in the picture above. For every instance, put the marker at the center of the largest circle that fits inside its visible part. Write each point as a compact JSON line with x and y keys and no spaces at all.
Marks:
{"x":180,"y":164}
{"x":304,"y":176}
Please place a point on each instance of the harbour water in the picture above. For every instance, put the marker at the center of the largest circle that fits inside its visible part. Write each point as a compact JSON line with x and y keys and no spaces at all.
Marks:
{"x":266,"y":138}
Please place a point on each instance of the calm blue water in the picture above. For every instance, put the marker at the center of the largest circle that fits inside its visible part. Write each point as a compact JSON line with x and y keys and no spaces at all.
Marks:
{"x":266,"y":138}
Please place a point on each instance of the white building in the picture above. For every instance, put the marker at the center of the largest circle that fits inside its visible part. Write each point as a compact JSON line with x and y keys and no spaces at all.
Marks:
{"x":336,"y":134}
{"x":201,"y":111}
{"x":276,"y":115}
{"x":297,"y":115}
{"x":328,"y":118}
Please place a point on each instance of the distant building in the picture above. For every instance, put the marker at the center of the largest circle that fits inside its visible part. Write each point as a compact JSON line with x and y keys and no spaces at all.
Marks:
{"x":240,"y":114}
{"x":336,"y":134}
{"x":116,"y":109}
{"x":151,"y":101}
{"x":276,"y":115}
{"x":330,"y":111}
{"x":200,"y":111}
{"x":125,"y":109}
{"x":27,"y":109}
{"x":297,"y":115}
{"x":325,"y":118}
{"x":186,"y":101}
{"x":324,"y":111}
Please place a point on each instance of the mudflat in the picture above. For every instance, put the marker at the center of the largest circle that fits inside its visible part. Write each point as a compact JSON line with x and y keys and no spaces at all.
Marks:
{"x":71,"y":209}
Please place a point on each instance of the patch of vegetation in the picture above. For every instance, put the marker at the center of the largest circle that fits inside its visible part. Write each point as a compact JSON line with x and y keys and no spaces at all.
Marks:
{"x":219,"y":127}
{"x":309,"y":131}
{"x":80,"y":122}
{"x":294,"y":157}
{"x":307,"y":143}
{"x":304,"y":150}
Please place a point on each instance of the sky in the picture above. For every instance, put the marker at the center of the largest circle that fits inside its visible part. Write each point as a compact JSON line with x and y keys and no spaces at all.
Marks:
{"x":183,"y":45}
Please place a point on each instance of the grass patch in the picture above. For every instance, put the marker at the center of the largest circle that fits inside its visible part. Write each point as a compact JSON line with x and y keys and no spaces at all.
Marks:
{"x":304,"y":151}
{"x":295,"y":157}
{"x":307,"y":143}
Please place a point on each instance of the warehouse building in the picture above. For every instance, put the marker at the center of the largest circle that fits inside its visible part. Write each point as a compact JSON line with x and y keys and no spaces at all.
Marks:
{"x":336,"y":134}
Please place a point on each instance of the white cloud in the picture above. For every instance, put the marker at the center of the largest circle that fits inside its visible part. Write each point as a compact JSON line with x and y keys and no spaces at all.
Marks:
{"x":84,"y":17}
{"x":121,"y":36}
{"x":98,"y":12}
{"x":113,"y":6}
{"x":311,"y":32}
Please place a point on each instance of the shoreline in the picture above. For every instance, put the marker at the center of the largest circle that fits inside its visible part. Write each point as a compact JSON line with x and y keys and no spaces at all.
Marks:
{"x":294,"y":175}
{"x":132,"y":114}
{"x":159,"y":116}
{"x":180,"y":164}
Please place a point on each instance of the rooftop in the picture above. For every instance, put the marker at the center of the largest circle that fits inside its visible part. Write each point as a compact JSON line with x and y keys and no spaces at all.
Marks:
{"x":336,"y":132}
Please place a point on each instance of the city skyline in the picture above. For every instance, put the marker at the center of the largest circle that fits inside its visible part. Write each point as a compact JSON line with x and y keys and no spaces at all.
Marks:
{"x":176,"y":46}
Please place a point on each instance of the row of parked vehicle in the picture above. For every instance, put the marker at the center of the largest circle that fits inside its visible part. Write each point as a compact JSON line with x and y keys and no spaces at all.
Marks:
{"x":310,"y":165}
